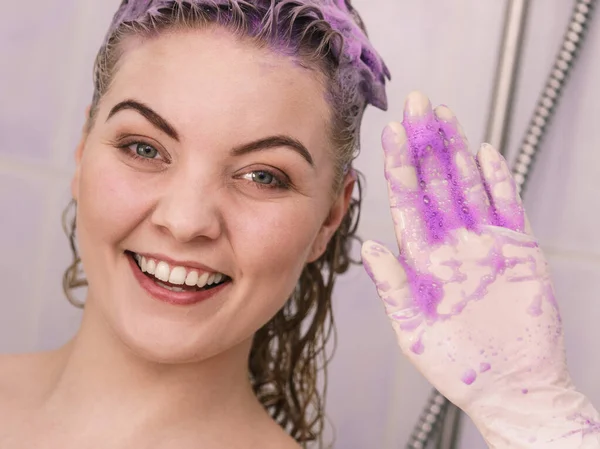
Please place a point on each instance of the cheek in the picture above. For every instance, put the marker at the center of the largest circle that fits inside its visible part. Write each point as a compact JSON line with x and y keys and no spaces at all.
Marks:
{"x":271,"y":243}
{"x":275,"y":239}
{"x":111,"y":200}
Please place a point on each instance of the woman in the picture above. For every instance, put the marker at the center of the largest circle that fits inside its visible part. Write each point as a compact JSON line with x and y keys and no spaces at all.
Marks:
{"x":214,"y":209}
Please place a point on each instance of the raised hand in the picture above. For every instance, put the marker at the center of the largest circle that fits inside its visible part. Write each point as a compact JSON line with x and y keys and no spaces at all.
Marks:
{"x":469,"y":295}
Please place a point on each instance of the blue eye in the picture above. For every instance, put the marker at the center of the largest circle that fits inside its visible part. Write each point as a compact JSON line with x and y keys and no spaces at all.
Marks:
{"x":266,"y":179}
{"x":263,"y":177}
{"x":146,"y":151}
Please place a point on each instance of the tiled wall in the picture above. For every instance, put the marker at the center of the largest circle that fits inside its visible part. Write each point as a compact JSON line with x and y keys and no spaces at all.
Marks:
{"x":47,"y":49}
{"x":47,"y":52}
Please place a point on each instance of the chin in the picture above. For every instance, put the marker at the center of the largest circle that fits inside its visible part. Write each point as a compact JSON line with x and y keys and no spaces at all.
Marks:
{"x":173,"y":350}
{"x":160,"y":340}
{"x":160,"y":332}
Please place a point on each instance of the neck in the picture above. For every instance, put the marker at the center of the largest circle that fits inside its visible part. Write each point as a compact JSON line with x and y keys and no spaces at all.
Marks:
{"x":98,"y":378}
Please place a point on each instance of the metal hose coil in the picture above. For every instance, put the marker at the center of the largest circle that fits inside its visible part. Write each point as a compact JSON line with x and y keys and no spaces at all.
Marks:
{"x":430,"y":418}
{"x":548,"y":99}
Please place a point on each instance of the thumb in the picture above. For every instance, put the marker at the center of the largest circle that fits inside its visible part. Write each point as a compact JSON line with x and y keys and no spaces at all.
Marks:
{"x":389,"y":276}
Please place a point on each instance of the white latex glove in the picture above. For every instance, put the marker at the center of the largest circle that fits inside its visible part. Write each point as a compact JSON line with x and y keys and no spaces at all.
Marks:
{"x":470,"y":296}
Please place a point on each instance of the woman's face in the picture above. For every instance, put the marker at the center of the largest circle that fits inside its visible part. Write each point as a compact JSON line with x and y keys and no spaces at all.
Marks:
{"x":210,"y":155}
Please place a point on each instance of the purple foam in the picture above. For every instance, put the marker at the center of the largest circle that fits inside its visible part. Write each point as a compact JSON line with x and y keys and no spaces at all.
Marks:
{"x":362,"y":71}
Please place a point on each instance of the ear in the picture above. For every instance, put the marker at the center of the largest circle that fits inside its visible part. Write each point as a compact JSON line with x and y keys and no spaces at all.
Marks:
{"x":79,"y":155}
{"x":335,"y":217}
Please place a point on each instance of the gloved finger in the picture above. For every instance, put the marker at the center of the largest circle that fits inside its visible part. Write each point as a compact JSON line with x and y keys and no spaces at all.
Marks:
{"x":506,"y":205}
{"x":391,"y":281}
{"x":468,"y":198}
{"x":404,"y":193}
{"x":424,"y":147}
{"x":393,"y":286}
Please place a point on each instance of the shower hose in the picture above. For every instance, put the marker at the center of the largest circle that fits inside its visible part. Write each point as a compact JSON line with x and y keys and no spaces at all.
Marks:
{"x":430,"y":423}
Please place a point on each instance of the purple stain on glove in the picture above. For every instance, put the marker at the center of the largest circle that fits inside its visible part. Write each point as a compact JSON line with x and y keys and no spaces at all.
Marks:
{"x":417,"y":347}
{"x":588,"y":425}
{"x":505,"y":212}
{"x":483,"y":367}
{"x":469,"y":376}
{"x":427,"y":291}
{"x":433,"y":145}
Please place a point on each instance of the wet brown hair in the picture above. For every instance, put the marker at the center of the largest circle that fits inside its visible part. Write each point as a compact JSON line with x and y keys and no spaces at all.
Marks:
{"x":289,"y":351}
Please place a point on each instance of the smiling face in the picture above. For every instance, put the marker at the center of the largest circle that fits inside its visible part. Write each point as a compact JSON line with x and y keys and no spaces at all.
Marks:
{"x":213,"y":156}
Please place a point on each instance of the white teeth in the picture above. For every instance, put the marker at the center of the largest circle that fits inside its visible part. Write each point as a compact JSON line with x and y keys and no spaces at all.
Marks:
{"x":192,"y":278}
{"x":211,"y":279}
{"x":177,"y":276}
{"x":202,"y":280}
{"x":162,"y":271}
{"x":151,"y":267}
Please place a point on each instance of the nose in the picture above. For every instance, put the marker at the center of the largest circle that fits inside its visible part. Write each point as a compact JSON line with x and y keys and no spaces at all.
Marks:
{"x":188,"y":209}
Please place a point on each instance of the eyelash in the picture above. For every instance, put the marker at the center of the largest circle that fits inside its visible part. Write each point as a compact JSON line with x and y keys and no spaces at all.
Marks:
{"x":280,"y":184}
{"x":125,"y":147}
{"x":282,"y":181}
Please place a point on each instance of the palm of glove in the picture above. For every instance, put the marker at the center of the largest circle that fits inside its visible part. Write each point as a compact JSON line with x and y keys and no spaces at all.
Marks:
{"x":469,"y":296}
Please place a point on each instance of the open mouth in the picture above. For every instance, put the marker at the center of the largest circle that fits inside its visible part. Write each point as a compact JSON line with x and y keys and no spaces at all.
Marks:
{"x":177,"y":279}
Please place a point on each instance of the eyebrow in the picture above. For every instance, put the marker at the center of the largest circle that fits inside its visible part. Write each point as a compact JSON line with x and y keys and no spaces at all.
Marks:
{"x":274,"y":142}
{"x":148,"y":113}
{"x":257,"y":145}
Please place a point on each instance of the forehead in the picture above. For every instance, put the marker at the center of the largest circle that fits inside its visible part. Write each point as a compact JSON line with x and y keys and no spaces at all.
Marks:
{"x":209,"y":80}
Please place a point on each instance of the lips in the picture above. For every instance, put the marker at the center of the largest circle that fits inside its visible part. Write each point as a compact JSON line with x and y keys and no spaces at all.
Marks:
{"x":175,"y":294}
{"x":177,"y":277}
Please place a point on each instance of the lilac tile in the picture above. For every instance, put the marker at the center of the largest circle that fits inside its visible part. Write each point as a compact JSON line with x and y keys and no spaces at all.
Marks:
{"x":22,"y":205}
{"x":36,"y":55}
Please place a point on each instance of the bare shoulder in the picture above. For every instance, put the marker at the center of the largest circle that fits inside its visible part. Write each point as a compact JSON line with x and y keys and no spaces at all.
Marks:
{"x":20,"y":374}
{"x":12,"y":369}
